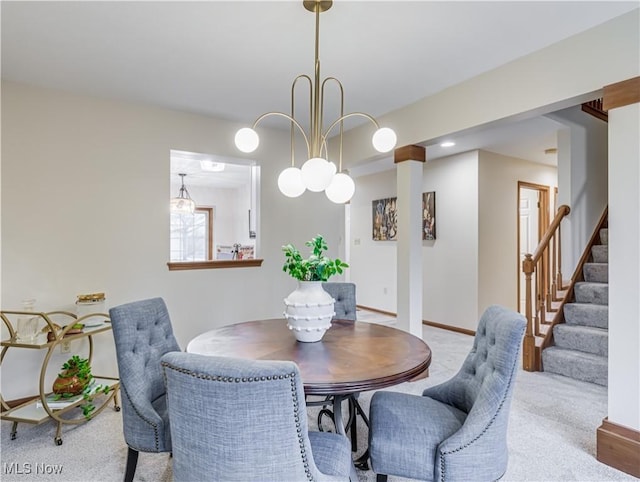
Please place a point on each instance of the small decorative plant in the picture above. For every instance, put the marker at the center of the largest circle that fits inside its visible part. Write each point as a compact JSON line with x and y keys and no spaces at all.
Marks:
{"x":74,"y":379}
{"x":316,"y":267}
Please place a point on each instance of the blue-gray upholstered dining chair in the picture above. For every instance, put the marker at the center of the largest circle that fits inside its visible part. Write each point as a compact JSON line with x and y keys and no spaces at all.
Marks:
{"x":455,"y":431}
{"x":142,"y":333}
{"x":243,"y":420}
{"x":344,"y":295}
{"x":344,"y":306}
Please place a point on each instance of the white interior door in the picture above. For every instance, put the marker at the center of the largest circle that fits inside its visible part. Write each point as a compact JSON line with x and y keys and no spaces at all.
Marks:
{"x":528,"y":236}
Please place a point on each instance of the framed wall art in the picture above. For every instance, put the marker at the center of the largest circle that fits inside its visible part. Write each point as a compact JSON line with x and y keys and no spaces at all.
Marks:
{"x":385,"y":219}
{"x":429,"y":216}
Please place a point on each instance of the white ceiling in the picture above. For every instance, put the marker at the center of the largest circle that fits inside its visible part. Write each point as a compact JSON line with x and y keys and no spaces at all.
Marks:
{"x":236,"y":59}
{"x":236,"y":172}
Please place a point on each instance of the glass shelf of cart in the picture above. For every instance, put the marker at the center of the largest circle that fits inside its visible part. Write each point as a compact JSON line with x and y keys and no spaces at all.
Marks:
{"x":33,"y":411}
{"x":41,"y":339}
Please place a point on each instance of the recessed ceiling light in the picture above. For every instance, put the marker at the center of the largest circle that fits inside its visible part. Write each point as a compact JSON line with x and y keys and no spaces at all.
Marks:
{"x":210,"y":166}
{"x":447,"y":144}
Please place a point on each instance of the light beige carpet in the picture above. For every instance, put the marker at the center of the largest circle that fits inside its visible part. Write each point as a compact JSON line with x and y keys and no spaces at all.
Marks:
{"x":552,"y":432}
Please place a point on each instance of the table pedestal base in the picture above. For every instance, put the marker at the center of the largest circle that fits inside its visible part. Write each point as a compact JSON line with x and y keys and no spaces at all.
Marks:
{"x":335,"y":413}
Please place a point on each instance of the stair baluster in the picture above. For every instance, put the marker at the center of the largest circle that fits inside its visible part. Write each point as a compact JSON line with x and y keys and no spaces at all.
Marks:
{"x":538,"y":264}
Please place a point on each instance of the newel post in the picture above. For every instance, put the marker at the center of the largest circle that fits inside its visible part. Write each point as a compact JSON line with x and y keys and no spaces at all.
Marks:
{"x":529,"y":359}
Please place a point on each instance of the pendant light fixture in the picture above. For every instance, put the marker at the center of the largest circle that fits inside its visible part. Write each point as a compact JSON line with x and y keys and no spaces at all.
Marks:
{"x":183,"y":203}
{"x":317,"y":173}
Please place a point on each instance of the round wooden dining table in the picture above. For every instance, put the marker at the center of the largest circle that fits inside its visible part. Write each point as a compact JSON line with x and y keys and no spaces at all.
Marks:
{"x":352,"y":357}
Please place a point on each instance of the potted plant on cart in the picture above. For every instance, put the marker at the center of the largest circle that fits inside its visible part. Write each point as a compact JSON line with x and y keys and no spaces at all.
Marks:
{"x":309,"y":309}
{"x":75,"y":379}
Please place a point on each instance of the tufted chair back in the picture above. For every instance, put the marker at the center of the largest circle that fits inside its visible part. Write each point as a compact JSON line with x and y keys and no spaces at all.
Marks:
{"x":459,"y":426}
{"x":488,"y":365}
{"x":344,"y":295}
{"x":142,"y":333}
{"x":243,"y":420}
{"x":482,"y":388}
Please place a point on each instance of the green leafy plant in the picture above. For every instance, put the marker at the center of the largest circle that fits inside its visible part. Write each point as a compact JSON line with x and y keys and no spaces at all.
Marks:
{"x":316,"y":267}
{"x":77,"y":366}
{"x":80,"y":369}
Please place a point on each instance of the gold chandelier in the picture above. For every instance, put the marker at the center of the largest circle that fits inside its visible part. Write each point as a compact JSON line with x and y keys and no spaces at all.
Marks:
{"x":317,"y":173}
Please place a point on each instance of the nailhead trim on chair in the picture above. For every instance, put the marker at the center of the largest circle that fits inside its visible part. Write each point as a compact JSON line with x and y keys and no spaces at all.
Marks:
{"x":442,"y":454}
{"x":154,"y":425}
{"x":294,"y":396}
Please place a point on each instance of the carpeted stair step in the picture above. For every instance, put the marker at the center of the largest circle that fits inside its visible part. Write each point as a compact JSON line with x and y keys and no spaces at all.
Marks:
{"x":575,"y":364}
{"x":604,"y":236}
{"x":596,"y":272}
{"x":594,"y":293}
{"x":600,"y":253}
{"x":586,"y":314}
{"x":582,"y":338}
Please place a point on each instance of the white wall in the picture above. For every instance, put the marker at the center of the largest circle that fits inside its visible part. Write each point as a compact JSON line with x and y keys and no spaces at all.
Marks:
{"x":467,"y":267}
{"x":498,"y":264}
{"x":241,"y":234}
{"x":85,"y":190}
{"x":230,"y":207}
{"x":582,"y":179}
{"x":228,"y":215}
{"x":624,"y":266}
{"x":450,"y":262}
{"x":372,"y":263}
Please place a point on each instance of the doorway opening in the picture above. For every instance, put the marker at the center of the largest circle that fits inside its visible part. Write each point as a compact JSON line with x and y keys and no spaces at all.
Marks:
{"x":533,"y":221}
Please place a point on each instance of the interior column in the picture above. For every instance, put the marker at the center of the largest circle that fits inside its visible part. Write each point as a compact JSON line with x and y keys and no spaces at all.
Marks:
{"x":618,"y":438}
{"x":410,"y":160}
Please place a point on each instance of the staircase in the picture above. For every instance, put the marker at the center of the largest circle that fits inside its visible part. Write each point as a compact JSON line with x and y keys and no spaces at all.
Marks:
{"x":581,"y":342}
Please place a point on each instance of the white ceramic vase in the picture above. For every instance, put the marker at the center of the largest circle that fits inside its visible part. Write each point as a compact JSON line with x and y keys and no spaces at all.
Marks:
{"x":308,"y":311}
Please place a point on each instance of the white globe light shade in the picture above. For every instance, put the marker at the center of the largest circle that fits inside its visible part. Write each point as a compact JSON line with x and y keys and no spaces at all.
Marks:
{"x":247,"y":139}
{"x":341,"y":188}
{"x":290,"y":182}
{"x":384,"y":139}
{"x":317,"y":174}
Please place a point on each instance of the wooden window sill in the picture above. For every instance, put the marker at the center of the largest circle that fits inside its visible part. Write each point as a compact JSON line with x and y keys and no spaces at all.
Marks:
{"x":227,"y":263}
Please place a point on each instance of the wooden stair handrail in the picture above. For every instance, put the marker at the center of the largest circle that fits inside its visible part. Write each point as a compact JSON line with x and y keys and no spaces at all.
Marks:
{"x":531,"y":359}
{"x":563,"y":211}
